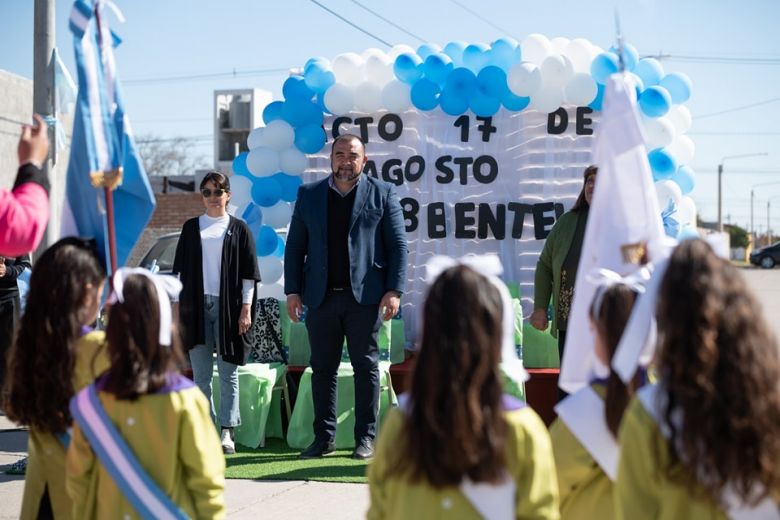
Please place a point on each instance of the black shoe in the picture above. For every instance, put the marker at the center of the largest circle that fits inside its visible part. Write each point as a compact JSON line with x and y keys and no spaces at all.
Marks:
{"x":317,"y":449}
{"x":364,"y":450}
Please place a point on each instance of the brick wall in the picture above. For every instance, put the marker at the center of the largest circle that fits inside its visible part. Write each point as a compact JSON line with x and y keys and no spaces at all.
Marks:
{"x":173,"y":209}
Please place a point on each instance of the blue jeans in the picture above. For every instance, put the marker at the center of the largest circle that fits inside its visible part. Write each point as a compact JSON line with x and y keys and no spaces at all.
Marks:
{"x":202,"y":360}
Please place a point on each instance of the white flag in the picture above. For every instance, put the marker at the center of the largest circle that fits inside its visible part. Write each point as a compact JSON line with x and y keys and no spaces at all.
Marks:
{"x":624,"y":225}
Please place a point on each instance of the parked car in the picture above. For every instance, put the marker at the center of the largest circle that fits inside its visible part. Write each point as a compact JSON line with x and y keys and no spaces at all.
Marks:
{"x":766,"y":257}
{"x":160,"y":256}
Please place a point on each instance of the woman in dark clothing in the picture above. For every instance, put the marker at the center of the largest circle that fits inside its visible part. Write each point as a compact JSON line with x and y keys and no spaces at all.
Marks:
{"x":216,"y":261}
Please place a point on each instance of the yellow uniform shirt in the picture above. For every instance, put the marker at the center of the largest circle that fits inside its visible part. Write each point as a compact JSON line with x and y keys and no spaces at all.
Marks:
{"x":529,"y":462}
{"x":172,"y":436}
{"x":585,"y":490}
{"x":46,"y":463}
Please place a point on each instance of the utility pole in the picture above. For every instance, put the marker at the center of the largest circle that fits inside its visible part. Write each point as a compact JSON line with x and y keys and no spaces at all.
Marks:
{"x":43,"y":99}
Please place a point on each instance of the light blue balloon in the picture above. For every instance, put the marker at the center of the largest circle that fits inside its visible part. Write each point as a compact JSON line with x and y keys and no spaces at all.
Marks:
{"x":407,"y":67}
{"x":266,"y":241}
{"x":484,"y":105}
{"x":655,"y":101}
{"x":318,"y":60}
{"x":476,"y":56}
{"x":273,"y":111}
{"x":513,"y":102}
{"x":425,"y":94}
{"x":599,"y":100}
{"x":455,"y":50}
{"x":688,"y":233}
{"x":492,"y":81}
{"x":252,"y":215}
{"x":289,"y":185}
{"x":504,"y":53}
{"x":461,"y":82}
{"x":239,"y":165}
{"x":266,"y":191}
{"x":310,"y":138}
{"x":426,"y":49}
{"x":319,"y":77}
{"x":679,"y":86}
{"x":650,"y":70}
{"x":279,"y":251}
{"x":301,"y":112}
{"x":295,"y":87}
{"x":685,"y":178}
{"x":662,"y":163}
{"x":603,"y":66}
{"x":452,"y":103}
{"x":436,"y":67}
{"x":630,"y":56}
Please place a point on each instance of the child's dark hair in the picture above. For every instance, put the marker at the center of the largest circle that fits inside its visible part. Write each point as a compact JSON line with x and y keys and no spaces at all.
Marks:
{"x":609,"y":312}
{"x":719,"y":363}
{"x":456,"y":427}
{"x":39,"y":380}
{"x":139,"y":363}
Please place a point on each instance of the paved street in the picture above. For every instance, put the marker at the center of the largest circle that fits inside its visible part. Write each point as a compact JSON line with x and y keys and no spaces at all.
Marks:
{"x":299,"y":500}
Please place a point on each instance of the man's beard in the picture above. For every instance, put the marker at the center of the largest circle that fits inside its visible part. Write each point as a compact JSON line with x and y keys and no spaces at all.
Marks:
{"x":346,"y":174}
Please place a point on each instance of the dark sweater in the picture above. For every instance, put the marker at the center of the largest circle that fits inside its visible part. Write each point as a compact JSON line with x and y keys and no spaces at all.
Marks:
{"x":339,"y":213}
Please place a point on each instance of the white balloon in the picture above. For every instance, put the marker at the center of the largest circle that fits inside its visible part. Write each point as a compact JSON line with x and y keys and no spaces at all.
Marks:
{"x":667,"y":190}
{"x":339,"y":99}
{"x":240,"y":190}
{"x":262,"y":161}
{"x":524,"y":79}
{"x":581,"y":89}
{"x":535,"y":48}
{"x":680,"y":117}
{"x":547,"y":99}
{"x":255,"y":138}
{"x":275,"y":290}
{"x":659,"y":132}
{"x":368,"y":97}
{"x":293,"y":161}
{"x":683,"y":149}
{"x":271,"y":269}
{"x":379,"y":70}
{"x":396,"y":96}
{"x":555,"y":70}
{"x":686,"y":212}
{"x":348,"y":68}
{"x":578,"y":52}
{"x":372,"y":52}
{"x":278,"y":215}
{"x":279,"y":135}
{"x":399,"y":49}
{"x":559,"y":44}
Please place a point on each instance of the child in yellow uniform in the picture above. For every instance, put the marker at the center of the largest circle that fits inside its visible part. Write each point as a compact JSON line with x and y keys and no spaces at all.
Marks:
{"x":706,"y":438}
{"x":585,"y":489}
{"x":459,"y":447}
{"x":53,"y":357}
{"x":161,"y":416}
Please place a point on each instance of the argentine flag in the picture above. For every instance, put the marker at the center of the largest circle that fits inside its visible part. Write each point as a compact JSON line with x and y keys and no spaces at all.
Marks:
{"x":102,"y":141}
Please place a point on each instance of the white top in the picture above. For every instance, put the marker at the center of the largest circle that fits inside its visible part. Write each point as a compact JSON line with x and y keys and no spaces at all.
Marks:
{"x":212,"y":236}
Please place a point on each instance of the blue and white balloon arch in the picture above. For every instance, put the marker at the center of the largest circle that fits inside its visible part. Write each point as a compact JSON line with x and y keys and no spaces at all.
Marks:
{"x":536,"y":74}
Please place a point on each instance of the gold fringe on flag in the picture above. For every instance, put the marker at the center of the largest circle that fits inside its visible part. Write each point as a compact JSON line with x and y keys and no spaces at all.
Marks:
{"x":110,"y":179}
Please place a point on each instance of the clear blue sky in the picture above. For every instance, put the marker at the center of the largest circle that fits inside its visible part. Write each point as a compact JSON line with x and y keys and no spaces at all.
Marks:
{"x":731,"y":51}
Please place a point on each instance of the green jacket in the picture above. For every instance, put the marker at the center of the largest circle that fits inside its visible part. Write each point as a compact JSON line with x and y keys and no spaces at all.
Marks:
{"x":547,"y":280}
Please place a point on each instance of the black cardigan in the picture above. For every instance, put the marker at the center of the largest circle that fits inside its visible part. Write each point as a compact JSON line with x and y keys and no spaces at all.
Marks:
{"x":238,"y":263}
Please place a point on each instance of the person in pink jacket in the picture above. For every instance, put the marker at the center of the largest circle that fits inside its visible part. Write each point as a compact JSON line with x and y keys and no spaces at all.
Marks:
{"x":24,"y":211}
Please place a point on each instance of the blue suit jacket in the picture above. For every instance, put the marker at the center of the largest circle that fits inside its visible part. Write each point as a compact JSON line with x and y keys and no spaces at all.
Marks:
{"x":376,"y":243}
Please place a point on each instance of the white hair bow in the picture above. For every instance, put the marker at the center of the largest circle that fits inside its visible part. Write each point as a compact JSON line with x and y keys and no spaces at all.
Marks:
{"x":605,"y":278}
{"x":490,"y":267}
{"x":167,"y":287}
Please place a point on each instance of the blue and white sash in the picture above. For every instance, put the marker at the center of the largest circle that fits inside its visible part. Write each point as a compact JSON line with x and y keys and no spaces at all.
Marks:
{"x":654,"y":398}
{"x":130,"y":477}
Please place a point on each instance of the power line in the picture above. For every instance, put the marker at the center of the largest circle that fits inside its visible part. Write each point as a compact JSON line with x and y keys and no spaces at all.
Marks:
{"x":337,"y":15}
{"x":477,"y":15}
{"x":389,"y":21}
{"x":196,"y":77}
{"x":727,"y":60}
{"x":737,"y":109}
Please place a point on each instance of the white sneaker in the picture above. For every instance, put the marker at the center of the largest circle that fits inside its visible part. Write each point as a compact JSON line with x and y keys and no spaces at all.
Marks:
{"x":228,"y":447}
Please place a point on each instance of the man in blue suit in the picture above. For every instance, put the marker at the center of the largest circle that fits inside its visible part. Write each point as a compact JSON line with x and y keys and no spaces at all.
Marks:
{"x":345,"y":259}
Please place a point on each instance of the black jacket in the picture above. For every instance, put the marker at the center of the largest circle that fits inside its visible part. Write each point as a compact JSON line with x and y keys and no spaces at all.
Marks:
{"x":238,"y":263}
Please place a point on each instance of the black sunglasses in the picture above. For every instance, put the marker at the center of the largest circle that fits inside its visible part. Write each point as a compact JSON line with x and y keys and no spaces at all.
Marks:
{"x":208,"y":193}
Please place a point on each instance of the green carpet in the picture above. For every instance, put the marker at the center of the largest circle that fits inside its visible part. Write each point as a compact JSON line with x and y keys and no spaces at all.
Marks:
{"x":277,"y":461}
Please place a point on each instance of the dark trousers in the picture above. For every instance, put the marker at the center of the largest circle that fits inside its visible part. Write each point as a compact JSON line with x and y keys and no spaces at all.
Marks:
{"x":340,"y":316}
{"x":9,"y":318}
{"x":561,"y":343}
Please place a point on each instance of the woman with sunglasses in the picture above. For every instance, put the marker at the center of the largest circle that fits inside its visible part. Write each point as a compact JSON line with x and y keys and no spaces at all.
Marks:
{"x":215,"y":260}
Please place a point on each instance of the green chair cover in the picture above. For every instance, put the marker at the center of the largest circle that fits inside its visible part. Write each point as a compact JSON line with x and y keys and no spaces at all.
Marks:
{"x":540,"y":349}
{"x":300,"y":351}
